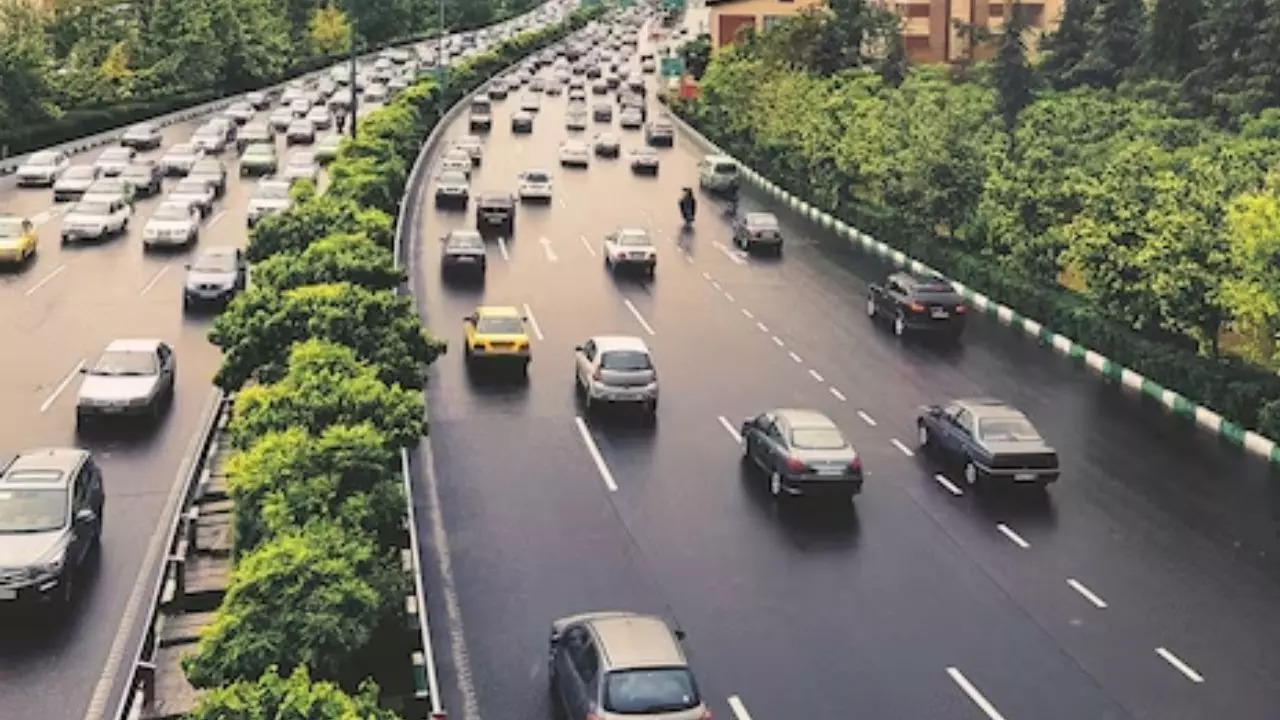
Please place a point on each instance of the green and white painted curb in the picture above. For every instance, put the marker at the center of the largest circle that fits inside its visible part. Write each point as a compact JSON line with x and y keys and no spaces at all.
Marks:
{"x":1172,"y":401}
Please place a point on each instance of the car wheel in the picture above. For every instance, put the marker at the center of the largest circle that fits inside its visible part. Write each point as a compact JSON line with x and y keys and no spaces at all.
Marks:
{"x":746,"y":449}
{"x":899,"y":325}
{"x":922,"y":435}
{"x":871,"y":307}
{"x":775,"y":484}
{"x":972,"y":476}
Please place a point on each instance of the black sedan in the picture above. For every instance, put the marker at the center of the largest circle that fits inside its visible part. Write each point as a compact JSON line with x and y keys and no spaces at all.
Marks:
{"x":801,"y":452}
{"x":990,"y":440}
{"x":462,"y":252}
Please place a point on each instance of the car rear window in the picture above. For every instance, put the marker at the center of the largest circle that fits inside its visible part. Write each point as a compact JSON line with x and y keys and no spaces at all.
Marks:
{"x":500,"y":326}
{"x":1010,"y":429}
{"x":723,"y":168}
{"x":650,"y":691}
{"x":817,"y":439}
{"x":626,"y":360}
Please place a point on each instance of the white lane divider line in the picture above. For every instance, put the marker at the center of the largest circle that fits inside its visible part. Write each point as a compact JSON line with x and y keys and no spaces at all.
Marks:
{"x":587,"y":245}
{"x":950,"y":486}
{"x":728,"y":297}
{"x":716,"y":285}
{"x":639,"y":318}
{"x":794,"y":357}
{"x":974,"y":694}
{"x":867,"y":418}
{"x":777,"y":340}
{"x":596,"y":457}
{"x":738,"y":708}
{"x":53,"y":397}
{"x":763,"y":328}
{"x":214,"y":220}
{"x":1014,"y":537}
{"x":155,"y":278}
{"x":733,"y":256}
{"x":816,"y":375}
{"x":45,"y":280}
{"x":1088,"y":594}
{"x":706,"y":275}
{"x":547,"y":250}
{"x":901,"y":448}
{"x":729,"y":428}
{"x":533,"y":322}
{"x":1179,"y":665}
{"x":837,"y":394}
{"x":45,"y":216}
{"x":502,"y":248}
{"x":747,"y":314}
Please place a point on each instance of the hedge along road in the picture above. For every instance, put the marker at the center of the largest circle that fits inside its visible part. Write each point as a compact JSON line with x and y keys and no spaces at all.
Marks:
{"x":60,"y":311}
{"x":1141,"y":588}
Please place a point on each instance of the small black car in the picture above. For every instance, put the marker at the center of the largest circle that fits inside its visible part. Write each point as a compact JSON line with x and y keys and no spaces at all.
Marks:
{"x":496,"y":211}
{"x":916,"y":302}
{"x":462,"y":252}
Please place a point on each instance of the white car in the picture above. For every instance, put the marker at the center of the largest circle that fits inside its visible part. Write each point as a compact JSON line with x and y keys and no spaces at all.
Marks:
{"x":630,"y":248}
{"x":301,"y":166}
{"x":210,"y":139}
{"x":529,"y":103}
{"x":194,"y":191}
{"x":630,"y":118}
{"x":180,"y":158}
{"x":130,"y":378}
{"x":173,"y":224}
{"x":269,"y":197}
{"x":108,"y":190}
{"x":574,"y":153}
{"x":143,"y":136}
{"x":375,"y":93}
{"x":114,"y":160}
{"x":575,"y":119}
{"x":473,"y":146}
{"x":299,"y":107}
{"x":458,"y":160}
{"x":280,"y":119}
{"x":616,"y":369}
{"x":320,"y":117}
{"x":535,"y":185}
{"x":240,"y":112}
{"x":644,"y":161}
{"x":300,"y":131}
{"x":43,"y":168}
{"x":95,"y":220}
{"x":452,"y":188}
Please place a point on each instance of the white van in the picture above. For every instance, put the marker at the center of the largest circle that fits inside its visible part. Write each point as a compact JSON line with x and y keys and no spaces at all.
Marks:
{"x":718,"y":173}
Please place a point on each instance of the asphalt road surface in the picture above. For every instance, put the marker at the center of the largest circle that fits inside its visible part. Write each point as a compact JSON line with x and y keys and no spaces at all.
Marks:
{"x":1143,"y":585}
{"x":59,"y":311}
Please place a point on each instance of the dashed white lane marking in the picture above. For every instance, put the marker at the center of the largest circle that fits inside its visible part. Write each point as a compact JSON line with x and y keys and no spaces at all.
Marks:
{"x":639,"y":318}
{"x":214,"y":220}
{"x":53,"y":397}
{"x":837,"y":394}
{"x":867,"y":418}
{"x":155,"y":279}
{"x":729,"y":428}
{"x":1181,"y":666}
{"x":747,"y":313}
{"x":587,"y":245}
{"x":794,"y":357}
{"x":1014,"y":537}
{"x":950,"y":486}
{"x":502,"y":248}
{"x":45,"y":280}
{"x":901,"y":448}
{"x":816,"y":375}
{"x":548,"y":250}
{"x":738,"y":708}
{"x":974,"y":694}
{"x":727,"y":252}
{"x":763,"y":328}
{"x":45,"y":216}
{"x":533,"y":321}
{"x":777,"y":341}
{"x":1088,"y":594}
{"x":596,"y":457}
{"x":706,"y":275}
{"x":716,"y":285}
{"x":728,"y":297}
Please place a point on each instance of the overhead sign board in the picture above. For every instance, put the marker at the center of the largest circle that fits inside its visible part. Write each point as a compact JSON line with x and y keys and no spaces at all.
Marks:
{"x":672,"y":66}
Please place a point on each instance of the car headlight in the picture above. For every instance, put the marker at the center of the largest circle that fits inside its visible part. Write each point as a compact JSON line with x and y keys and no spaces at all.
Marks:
{"x":47,"y":569}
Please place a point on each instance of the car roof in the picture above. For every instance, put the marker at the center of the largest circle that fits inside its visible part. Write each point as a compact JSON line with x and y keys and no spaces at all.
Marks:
{"x":636,"y":641}
{"x":803,"y":418}
{"x":989,"y":408}
{"x":220,"y":251}
{"x":606,"y":343}
{"x":917,"y":278}
{"x":132,"y":345}
{"x":64,"y":460}
{"x":498,"y":311}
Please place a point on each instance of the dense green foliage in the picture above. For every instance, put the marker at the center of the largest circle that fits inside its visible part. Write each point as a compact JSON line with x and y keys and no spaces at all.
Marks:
{"x":83,"y":66}
{"x":1095,"y":191}
{"x":329,"y":360}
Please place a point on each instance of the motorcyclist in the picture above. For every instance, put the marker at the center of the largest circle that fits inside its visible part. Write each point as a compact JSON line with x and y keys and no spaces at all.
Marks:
{"x":731,"y":195}
{"x":341,"y":117}
{"x":688,"y":206}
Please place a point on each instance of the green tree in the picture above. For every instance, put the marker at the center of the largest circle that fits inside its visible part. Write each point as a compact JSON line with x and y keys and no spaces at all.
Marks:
{"x":380,"y":20}
{"x":1065,"y":47}
{"x":1252,"y":292}
{"x":313,"y":598}
{"x":259,"y":329}
{"x":1014,"y":80}
{"x":182,"y":46}
{"x":315,"y":217}
{"x":697,"y":55}
{"x":1171,"y":43}
{"x":326,"y":384}
{"x":346,"y":475}
{"x":254,"y":39}
{"x":1234,"y":79}
{"x":376,"y":180}
{"x":1115,"y":32}
{"x":328,"y":31}
{"x":24,"y":61}
{"x":296,"y":697}
{"x":335,"y":258}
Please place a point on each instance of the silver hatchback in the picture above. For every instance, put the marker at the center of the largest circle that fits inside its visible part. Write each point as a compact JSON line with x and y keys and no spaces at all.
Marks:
{"x":616,"y":369}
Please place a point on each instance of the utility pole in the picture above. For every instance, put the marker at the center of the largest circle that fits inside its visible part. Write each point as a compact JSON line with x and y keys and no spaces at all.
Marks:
{"x":440,"y":46}
{"x":355,"y":95}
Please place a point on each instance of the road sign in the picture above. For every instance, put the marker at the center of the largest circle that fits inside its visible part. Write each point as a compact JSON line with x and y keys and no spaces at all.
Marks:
{"x":672,"y":66}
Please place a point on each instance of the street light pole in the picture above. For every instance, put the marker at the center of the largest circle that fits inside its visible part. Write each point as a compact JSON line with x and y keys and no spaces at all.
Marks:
{"x":355,"y":94}
{"x":440,"y":46}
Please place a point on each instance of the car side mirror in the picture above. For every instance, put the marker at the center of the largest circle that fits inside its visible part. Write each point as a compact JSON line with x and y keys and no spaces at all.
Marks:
{"x":85,"y":516}
{"x":469,"y":319}
{"x":83,"y":370}
{"x":680,"y":635}
{"x":577,"y":348}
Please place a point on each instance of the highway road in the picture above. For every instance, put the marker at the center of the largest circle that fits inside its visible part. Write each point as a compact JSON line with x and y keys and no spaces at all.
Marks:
{"x":1143,"y":585}
{"x":60,"y":311}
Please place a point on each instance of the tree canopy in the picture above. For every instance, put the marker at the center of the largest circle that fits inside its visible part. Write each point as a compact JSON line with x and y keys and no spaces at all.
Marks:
{"x":331,"y":259}
{"x":295,"y":697}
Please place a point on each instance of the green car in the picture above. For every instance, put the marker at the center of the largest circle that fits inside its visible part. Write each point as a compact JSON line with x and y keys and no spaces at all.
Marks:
{"x":259,"y":159}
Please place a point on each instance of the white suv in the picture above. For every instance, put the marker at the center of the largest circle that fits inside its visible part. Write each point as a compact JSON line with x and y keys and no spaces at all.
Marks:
{"x":616,"y":369}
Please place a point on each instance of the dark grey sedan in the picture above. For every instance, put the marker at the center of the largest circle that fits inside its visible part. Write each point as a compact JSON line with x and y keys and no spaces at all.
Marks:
{"x":217,"y":274}
{"x":462,"y":252}
{"x":802,"y":452}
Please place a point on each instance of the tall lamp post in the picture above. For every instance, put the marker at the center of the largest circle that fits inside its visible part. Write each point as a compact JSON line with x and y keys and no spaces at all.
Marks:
{"x":440,"y":46}
{"x":355,"y":95}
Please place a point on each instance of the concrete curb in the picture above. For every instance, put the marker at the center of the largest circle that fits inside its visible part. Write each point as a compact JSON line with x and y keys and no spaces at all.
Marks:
{"x":1171,"y":400}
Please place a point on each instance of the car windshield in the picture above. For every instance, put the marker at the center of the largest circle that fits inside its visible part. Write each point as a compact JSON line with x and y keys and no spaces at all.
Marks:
{"x":817,"y":439}
{"x":1007,"y":429}
{"x":465,"y":241}
{"x":127,"y":363}
{"x":207,"y":132}
{"x":191,"y":186}
{"x":273,"y":191}
{"x":452,"y":177}
{"x":650,"y":691}
{"x":32,"y":510}
{"x":215,"y":263}
{"x":534,"y":176}
{"x":500,"y":326}
{"x":172,"y":211}
{"x":44,"y":158}
{"x":80,"y":173}
{"x":634,"y":238}
{"x":626,"y":360}
{"x":96,"y":209}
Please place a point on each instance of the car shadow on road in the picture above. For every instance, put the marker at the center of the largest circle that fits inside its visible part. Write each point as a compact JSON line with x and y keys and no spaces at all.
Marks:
{"x":1027,"y":507}
{"x":38,"y":629}
{"x":808,"y":524}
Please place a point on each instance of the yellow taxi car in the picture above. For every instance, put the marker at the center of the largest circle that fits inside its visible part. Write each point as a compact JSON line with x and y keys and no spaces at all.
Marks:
{"x":17,"y":239}
{"x":497,"y":333}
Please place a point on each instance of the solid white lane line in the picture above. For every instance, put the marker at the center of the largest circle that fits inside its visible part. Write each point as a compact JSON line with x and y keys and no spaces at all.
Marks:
{"x":867,"y":418}
{"x":596,"y":457}
{"x":502,"y":248}
{"x":950,"y":486}
{"x":45,"y":216}
{"x":794,"y":357}
{"x":838,"y":395}
{"x":560,"y":201}
{"x":778,"y":341}
{"x":763,"y":328}
{"x":733,"y":256}
{"x":547,"y":250}
{"x":1181,"y":666}
{"x":587,"y":245}
{"x":45,"y":280}
{"x":729,"y":428}
{"x":747,"y":313}
{"x":816,"y":376}
{"x":214,"y":220}
{"x":974,"y":694}
{"x":1088,"y":594}
{"x":53,"y":397}
{"x":901,"y":448}
{"x":639,"y":318}
{"x":1014,"y":537}
{"x":738,"y":708}
{"x":155,"y":279}
{"x":533,"y":321}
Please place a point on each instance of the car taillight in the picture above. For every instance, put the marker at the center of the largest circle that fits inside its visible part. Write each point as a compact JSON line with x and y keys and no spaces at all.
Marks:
{"x":960,"y":309}
{"x":796,"y":465}
{"x":856,"y":465}
{"x":915,"y":307}
{"x":598,"y":376}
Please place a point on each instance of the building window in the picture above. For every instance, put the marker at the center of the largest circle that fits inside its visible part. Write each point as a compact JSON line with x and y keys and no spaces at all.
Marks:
{"x":996,"y":10}
{"x":916,"y":10}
